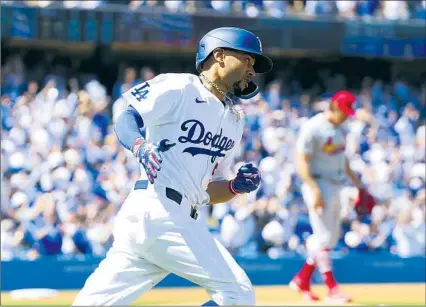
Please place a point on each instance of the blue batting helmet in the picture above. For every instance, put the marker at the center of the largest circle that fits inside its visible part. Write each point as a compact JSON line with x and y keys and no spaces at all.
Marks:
{"x":236,"y":39}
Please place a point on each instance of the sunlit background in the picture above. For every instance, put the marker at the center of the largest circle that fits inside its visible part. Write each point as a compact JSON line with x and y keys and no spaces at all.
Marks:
{"x":64,"y":175}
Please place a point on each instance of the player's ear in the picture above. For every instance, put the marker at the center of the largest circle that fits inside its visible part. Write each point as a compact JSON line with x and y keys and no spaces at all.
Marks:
{"x":219,"y":55}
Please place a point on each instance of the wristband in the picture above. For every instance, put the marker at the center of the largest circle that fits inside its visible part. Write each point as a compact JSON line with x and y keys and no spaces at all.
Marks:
{"x":231,"y":187}
{"x":138,"y":143}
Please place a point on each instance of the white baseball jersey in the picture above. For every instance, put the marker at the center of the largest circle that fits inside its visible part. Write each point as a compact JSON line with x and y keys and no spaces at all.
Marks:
{"x":326,"y":143}
{"x":179,"y":108}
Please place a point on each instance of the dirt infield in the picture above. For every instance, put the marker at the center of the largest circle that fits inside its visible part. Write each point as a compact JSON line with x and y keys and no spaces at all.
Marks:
{"x":370,"y":295}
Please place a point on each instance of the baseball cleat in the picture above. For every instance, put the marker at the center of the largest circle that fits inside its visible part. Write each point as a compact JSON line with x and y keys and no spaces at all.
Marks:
{"x":336,"y":296}
{"x":308,"y":295}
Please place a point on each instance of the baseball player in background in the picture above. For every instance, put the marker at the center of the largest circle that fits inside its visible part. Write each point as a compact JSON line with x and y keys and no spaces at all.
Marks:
{"x":322,"y":165}
{"x":192,"y":132}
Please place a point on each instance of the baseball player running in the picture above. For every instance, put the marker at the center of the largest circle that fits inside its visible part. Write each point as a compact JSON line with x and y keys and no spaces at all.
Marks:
{"x":192,"y":130}
{"x":322,"y":165}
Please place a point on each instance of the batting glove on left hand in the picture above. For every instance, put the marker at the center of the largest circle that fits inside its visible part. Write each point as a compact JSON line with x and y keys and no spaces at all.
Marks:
{"x":247,"y":180}
{"x":149,"y":155}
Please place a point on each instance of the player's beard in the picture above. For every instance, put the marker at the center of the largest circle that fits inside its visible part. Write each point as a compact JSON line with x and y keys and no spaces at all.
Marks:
{"x":240,"y":85}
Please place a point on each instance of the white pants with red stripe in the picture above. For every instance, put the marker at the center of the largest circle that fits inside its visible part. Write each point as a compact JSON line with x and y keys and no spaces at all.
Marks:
{"x":154,"y":236}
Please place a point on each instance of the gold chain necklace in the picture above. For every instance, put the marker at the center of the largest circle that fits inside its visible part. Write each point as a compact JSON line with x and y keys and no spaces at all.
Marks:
{"x":214,"y":85}
{"x":225,"y":96}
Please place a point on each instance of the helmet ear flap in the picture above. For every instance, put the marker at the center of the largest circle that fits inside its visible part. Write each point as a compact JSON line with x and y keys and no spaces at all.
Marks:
{"x":201,"y":50}
{"x":200,"y":56}
{"x":250,"y":91}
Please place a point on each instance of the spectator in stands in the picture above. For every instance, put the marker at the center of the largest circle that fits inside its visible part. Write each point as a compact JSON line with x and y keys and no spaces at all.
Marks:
{"x":346,"y":8}
{"x":395,"y":9}
{"x":13,"y":78}
{"x":276,"y":9}
{"x":238,"y":226}
{"x":6,"y":113}
{"x":88,"y":5}
{"x":41,"y":227}
{"x":146,"y":73}
{"x":405,"y":126}
{"x":410,"y":229}
{"x":321,"y":7}
{"x":221,"y":5}
{"x":174,"y":5}
{"x":420,"y":11}
{"x":367,"y":7}
{"x":135,"y":4}
{"x":129,"y":80}
{"x":11,"y":239}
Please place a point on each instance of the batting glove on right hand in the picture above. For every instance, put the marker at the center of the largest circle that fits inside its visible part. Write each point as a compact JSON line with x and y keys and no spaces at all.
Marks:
{"x":149,"y":155}
{"x":247,"y":180}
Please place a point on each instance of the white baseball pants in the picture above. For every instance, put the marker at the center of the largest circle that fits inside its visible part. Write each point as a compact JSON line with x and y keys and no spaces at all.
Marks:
{"x":153,"y":236}
{"x":325,"y":226}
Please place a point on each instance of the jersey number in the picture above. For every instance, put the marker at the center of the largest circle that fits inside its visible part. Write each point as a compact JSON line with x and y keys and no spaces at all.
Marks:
{"x":140,"y":92}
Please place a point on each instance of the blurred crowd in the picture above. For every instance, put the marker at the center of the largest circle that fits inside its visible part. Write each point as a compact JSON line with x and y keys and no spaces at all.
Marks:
{"x":385,"y":146}
{"x":64,"y":175}
{"x":389,"y":9}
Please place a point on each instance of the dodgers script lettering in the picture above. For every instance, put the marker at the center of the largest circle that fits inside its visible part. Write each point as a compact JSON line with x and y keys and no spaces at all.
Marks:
{"x":197,"y":134}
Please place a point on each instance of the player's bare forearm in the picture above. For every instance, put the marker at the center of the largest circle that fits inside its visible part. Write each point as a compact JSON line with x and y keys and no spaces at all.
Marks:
{"x":352,"y":175}
{"x":219,"y":192}
{"x":304,"y":169}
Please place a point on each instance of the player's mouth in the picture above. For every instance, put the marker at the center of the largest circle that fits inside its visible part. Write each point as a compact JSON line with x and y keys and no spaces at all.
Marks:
{"x":245,"y":82}
{"x":242,"y":84}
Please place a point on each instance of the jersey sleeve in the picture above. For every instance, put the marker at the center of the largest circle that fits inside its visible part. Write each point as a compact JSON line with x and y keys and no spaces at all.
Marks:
{"x":305,"y":140}
{"x":223,"y":170}
{"x":155,"y":99}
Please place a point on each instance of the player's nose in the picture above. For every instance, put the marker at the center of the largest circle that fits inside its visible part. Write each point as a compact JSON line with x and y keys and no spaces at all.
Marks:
{"x":250,"y":73}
